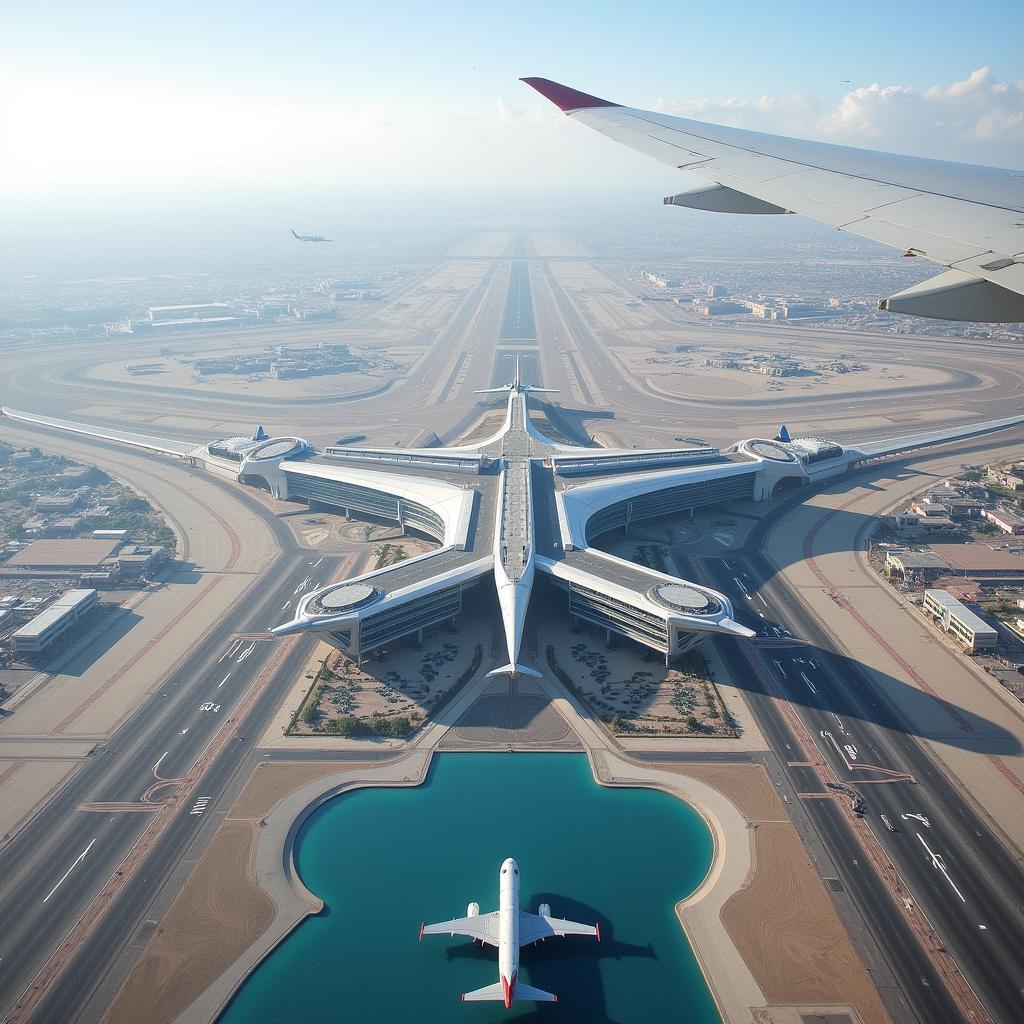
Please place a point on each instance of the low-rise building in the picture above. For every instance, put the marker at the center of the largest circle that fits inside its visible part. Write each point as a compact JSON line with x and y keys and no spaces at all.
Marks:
{"x":62,"y":503}
{"x":966,"y":627}
{"x":68,"y":526}
{"x":1007,"y":521}
{"x":915,"y":567}
{"x":1006,"y":477}
{"x":54,"y":622}
{"x":64,"y":555}
{"x":989,"y":566}
{"x":138,"y":559}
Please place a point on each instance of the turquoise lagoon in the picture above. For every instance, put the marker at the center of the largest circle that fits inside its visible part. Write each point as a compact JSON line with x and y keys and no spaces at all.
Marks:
{"x":383,"y":860}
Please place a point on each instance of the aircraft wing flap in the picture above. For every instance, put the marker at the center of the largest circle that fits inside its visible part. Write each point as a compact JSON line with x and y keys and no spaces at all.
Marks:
{"x":483,"y":927}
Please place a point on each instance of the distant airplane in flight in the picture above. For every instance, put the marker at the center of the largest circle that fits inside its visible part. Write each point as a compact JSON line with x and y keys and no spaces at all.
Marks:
{"x":509,"y":928}
{"x":310,"y":238}
{"x":966,"y":218}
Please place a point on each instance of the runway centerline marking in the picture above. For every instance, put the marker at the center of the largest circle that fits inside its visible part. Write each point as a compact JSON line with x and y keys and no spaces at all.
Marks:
{"x":78,"y":861}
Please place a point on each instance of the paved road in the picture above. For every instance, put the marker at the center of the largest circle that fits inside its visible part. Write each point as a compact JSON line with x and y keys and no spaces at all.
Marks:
{"x":972,"y":893}
{"x":53,"y":869}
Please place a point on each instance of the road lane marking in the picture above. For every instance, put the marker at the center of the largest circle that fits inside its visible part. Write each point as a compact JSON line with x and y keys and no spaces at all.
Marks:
{"x":231,"y":650}
{"x":810,"y":685}
{"x":285,"y":605}
{"x":224,"y":680}
{"x":81,"y":857}
{"x":245,"y":654}
{"x":156,"y":767}
{"x":938,"y":862}
{"x":209,"y":706}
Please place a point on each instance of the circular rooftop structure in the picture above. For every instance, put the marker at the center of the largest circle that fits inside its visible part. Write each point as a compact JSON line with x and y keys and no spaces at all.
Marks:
{"x":347,"y":598}
{"x":277,"y":448}
{"x":681,"y":598}
{"x":771,"y":450}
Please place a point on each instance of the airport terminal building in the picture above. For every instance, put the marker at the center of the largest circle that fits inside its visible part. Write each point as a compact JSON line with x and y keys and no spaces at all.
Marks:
{"x":514,"y":505}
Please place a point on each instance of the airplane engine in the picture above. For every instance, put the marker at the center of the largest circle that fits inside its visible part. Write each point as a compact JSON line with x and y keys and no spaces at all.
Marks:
{"x":473,"y":910}
{"x":544,"y":910}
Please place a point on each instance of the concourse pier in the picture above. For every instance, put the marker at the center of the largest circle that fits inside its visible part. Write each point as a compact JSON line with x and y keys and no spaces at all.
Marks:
{"x":512,"y":505}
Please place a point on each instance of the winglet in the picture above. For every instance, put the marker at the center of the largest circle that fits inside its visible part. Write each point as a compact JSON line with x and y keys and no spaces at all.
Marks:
{"x":565,"y":98}
{"x":422,"y":925}
{"x":597,"y":928}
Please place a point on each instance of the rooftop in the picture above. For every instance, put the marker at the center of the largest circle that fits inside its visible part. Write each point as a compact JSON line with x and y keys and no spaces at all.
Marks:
{"x":59,"y":554}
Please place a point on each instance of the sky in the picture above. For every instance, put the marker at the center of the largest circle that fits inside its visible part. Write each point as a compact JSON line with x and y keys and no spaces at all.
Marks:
{"x":124,"y":101}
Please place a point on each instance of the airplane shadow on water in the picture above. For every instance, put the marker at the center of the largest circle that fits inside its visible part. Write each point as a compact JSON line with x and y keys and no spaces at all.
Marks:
{"x":569,"y":966}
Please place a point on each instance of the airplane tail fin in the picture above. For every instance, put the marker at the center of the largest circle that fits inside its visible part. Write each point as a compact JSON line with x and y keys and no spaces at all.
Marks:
{"x":521,"y":993}
{"x":783,"y":434}
{"x":514,"y":670}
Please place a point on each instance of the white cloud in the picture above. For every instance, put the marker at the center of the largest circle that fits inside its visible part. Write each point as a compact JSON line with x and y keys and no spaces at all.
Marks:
{"x":978,"y":119}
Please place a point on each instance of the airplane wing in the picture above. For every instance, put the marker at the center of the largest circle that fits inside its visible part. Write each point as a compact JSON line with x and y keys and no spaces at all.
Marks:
{"x":966,"y":218}
{"x":534,"y":927}
{"x":482,"y":926}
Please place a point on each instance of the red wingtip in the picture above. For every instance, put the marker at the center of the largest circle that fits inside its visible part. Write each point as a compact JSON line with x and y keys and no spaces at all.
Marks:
{"x":555,"y":994}
{"x":565,"y":98}
{"x":422,"y":923}
{"x":597,"y":926}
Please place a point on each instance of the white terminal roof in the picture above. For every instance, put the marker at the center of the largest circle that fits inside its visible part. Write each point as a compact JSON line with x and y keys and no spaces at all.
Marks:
{"x":453,"y":504}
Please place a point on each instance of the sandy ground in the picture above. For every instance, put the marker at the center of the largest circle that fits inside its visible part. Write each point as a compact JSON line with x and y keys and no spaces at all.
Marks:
{"x":746,"y":785}
{"x":684,"y":373}
{"x":788,"y":932}
{"x":173,"y":373}
{"x":218,"y":914}
{"x":487,"y":245}
{"x":975,"y":727}
{"x":25,"y":786}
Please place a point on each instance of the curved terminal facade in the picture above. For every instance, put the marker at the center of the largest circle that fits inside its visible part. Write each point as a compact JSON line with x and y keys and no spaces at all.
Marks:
{"x":515,"y":505}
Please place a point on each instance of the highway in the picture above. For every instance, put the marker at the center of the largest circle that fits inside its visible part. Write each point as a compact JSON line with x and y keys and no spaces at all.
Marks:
{"x":53,"y":869}
{"x":957,"y":873}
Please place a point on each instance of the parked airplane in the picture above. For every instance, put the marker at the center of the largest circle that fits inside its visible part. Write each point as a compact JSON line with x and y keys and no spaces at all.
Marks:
{"x":963,"y":217}
{"x":310,"y":238}
{"x":509,"y":928}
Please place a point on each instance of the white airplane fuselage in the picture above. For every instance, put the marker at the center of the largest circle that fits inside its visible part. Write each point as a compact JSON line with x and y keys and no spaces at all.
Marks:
{"x":508,"y":928}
